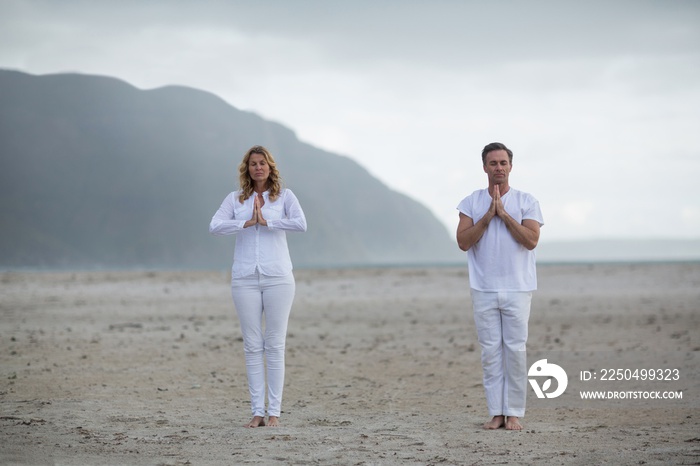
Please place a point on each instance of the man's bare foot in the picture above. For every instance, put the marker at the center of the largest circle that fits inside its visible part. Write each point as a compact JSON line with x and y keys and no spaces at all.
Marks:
{"x":257,"y":421}
{"x":273,"y":421}
{"x":513,"y":423}
{"x":496,"y":423}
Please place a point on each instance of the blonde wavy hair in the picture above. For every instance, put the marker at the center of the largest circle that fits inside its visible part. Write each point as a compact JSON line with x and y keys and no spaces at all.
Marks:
{"x":274,"y":182}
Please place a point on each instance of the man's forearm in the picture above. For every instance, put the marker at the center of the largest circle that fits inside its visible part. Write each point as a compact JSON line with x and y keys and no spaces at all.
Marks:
{"x":520,"y":233}
{"x":470,"y":236}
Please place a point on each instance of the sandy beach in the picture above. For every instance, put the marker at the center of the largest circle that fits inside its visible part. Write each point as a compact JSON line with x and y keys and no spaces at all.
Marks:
{"x":146,"y":368}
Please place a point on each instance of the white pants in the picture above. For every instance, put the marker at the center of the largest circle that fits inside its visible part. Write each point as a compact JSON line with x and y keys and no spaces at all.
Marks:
{"x":501,"y":324}
{"x":257,"y":296}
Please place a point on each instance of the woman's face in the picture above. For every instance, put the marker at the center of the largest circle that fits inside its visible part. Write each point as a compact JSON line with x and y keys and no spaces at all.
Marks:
{"x":258,"y":168}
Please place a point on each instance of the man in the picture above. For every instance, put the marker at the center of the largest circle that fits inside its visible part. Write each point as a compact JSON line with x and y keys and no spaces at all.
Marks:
{"x":499,"y":228}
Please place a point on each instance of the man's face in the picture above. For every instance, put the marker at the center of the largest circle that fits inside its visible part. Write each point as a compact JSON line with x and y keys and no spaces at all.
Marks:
{"x":497,"y":166}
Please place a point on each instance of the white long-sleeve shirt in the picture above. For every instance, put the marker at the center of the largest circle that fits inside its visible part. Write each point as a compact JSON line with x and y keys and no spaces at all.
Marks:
{"x":260,"y":247}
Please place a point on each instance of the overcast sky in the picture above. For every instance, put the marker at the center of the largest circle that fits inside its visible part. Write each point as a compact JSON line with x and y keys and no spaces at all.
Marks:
{"x":599,"y":100}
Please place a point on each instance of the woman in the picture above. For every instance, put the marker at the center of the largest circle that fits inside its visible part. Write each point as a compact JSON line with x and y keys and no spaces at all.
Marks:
{"x":262,"y":283}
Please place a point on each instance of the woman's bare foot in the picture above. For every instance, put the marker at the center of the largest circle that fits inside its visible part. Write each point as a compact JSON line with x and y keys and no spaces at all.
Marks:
{"x":257,"y":421}
{"x":496,"y":423}
{"x":513,"y":423}
{"x":273,"y":421}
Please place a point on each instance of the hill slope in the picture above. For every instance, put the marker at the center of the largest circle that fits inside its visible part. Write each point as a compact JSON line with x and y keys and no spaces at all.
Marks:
{"x":97,"y":173}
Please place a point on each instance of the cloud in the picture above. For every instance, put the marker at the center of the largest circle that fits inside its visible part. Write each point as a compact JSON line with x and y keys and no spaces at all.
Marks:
{"x":577,"y":213}
{"x":691,"y":220}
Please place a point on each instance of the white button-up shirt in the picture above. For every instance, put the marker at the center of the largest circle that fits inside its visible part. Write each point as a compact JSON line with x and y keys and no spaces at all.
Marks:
{"x":260,"y":247}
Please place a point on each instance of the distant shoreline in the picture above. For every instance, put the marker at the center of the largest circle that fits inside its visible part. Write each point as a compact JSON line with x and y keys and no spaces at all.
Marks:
{"x":573,"y":252}
{"x":406,"y":266}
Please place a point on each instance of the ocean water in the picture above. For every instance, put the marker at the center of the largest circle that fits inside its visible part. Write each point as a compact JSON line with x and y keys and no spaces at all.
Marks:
{"x":619,"y":250}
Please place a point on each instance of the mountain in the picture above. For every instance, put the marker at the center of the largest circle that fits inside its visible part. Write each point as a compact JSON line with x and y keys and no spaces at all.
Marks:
{"x":98,"y":173}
